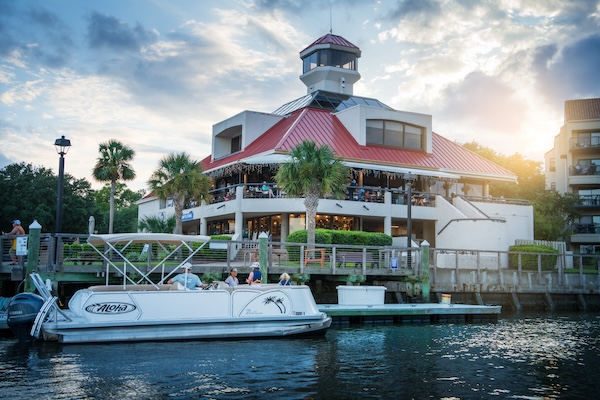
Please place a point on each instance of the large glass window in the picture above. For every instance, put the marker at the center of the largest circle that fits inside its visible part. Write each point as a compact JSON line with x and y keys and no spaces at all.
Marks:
{"x":329,"y":58}
{"x":394,"y":134}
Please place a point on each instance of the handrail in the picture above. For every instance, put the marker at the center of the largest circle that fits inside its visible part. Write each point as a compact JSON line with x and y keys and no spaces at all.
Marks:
{"x":471,"y":219}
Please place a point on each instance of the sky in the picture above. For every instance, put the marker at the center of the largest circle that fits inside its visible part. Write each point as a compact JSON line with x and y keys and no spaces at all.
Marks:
{"x":158,"y":74}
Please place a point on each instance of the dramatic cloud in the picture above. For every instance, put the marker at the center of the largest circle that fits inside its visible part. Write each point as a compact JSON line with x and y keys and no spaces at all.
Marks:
{"x":158,"y":77}
{"x":110,"y":33}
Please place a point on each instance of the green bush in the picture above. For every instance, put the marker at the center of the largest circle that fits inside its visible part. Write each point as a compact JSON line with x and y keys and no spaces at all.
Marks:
{"x":530,"y":261}
{"x":338,"y":237}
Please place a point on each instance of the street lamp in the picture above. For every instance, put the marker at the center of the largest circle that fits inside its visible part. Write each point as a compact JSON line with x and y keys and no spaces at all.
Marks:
{"x":409,"y":179}
{"x":62,"y":147}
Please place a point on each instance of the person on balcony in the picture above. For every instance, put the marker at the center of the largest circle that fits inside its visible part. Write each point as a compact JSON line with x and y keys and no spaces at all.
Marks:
{"x":266,"y":190}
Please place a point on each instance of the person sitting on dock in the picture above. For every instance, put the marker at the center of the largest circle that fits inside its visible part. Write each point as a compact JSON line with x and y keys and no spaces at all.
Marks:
{"x":284,"y":279}
{"x":187,"y":278}
{"x":232,"y":279}
{"x":255,"y":277}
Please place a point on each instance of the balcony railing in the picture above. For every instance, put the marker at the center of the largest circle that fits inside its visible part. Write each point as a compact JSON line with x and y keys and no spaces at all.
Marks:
{"x":583,"y":143}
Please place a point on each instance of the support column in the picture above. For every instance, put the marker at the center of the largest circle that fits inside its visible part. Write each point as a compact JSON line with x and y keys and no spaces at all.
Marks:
{"x":239,"y":216}
{"x":425,"y":271}
{"x":387,"y":220}
{"x":285,"y":226}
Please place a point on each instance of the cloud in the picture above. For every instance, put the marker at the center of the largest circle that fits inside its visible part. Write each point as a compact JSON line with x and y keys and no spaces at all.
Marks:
{"x":34,"y":36}
{"x":107,"y":32}
{"x":481,"y":100}
{"x":568,"y":73}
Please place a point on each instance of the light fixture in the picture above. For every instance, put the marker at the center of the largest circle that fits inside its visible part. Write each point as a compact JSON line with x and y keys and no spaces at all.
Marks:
{"x":62,"y":146}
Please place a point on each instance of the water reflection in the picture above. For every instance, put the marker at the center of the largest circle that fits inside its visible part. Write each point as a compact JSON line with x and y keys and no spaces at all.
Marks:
{"x":520,"y":357}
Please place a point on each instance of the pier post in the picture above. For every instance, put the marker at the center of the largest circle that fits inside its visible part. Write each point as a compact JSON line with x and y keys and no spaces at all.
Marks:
{"x":263,"y":255}
{"x":425,"y":271}
{"x":33,"y":253}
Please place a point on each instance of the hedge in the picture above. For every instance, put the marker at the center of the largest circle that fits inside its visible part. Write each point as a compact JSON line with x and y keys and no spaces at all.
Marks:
{"x":530,"y":261}
{"x":338,"y":237}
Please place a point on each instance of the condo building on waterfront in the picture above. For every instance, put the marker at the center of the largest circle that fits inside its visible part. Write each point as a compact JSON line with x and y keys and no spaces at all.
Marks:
{"x":385,"y":149}
{"x":573,"y":166}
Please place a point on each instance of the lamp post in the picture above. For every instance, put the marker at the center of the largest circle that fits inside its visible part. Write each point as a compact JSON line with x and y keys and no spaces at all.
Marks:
{"x":409,"y":179}
{"x":62,"y":147}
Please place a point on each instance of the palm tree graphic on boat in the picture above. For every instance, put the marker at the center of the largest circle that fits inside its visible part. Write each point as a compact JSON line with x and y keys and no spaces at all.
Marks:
{"x":278,"y":301}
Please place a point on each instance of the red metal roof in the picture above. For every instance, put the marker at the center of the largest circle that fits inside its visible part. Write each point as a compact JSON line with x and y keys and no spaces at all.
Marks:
{"x":582,"y":109}
{"x":331,"y":39}
{"x":322,"y":127}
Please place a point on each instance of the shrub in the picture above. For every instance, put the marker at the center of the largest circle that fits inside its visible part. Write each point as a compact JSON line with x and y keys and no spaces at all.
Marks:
{"x":530,"y":261}
{"x":338,"y":237}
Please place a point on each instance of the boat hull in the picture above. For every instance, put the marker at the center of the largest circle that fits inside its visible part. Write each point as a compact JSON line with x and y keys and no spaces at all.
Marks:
{"x":113,"y":314}
{"x":190,"y":330}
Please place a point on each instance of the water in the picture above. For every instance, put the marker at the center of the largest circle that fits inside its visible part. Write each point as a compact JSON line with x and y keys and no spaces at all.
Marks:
{"x":534,"y":356}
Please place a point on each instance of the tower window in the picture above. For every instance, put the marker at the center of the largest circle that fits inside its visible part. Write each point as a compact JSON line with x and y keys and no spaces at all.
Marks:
{"x":329,"y":58}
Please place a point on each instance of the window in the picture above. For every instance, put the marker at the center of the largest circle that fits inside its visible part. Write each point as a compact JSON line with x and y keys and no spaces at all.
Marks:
{"x":394,"y":134}
{"x":236,"y":144}
{"x":329,"y":58}
{"x":552,"y":166}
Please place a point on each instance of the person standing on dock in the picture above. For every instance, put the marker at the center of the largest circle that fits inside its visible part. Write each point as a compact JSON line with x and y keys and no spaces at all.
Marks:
{"x":187,"y":278}
{"x":255,"y":277}
{"x":17,"y":230}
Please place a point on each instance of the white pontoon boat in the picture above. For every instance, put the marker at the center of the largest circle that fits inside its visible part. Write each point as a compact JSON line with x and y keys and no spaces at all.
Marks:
{"x":145,"y":310}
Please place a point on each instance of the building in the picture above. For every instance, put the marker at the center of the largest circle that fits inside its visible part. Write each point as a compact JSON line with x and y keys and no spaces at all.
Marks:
{"x":572,"y":167}
{"x":451,"y":207}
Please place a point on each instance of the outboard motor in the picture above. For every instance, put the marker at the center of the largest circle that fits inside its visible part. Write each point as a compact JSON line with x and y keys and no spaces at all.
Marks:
{"x":21,"y":314}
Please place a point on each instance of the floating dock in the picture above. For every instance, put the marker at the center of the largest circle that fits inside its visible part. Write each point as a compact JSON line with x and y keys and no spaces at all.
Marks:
{"x":423,"y":313}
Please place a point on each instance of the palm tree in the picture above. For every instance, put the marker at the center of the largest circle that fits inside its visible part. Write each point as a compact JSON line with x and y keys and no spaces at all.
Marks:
{"x":179,"y":178}
{"x":155,"y":224}
{"x":111,"y":166}
{"x":312,"y":172}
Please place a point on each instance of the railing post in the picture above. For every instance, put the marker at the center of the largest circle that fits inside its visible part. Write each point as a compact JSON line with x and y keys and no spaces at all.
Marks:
{"x":425,"y":286}
{"x":33,"y":253}
{"x":263,"y":257}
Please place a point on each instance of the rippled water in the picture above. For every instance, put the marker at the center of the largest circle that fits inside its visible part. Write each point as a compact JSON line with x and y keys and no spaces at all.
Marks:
{"x":521,"y":357}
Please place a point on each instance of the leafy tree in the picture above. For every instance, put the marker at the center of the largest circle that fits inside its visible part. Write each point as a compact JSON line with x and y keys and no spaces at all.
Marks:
{"x":111,"y":166}
{"x":312,"y":172}
{"x":125,"y":208}
{"x":29,"y":193}
{"x":529,"y":173}
{"x":180,"y":178}
{"x":157,"y":225}
{"x":553,"y":215}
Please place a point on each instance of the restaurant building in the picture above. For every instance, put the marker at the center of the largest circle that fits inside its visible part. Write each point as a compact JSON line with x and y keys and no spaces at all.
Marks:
{"x":385,"y":149}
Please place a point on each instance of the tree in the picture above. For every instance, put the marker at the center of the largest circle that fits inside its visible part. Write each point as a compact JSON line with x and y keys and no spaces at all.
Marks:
{"x":181,"y":179}
{"x":157,"y":225}
{"x":125,"y":208}
{"x":111,"y":166}
{"x":529,"y":173}
{"x":312,"y":172}
{"x":554,"y":214}
{"x":29,"y":193}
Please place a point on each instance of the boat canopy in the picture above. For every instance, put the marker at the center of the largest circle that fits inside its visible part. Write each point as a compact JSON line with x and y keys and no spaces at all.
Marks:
{"x":165,"y":238}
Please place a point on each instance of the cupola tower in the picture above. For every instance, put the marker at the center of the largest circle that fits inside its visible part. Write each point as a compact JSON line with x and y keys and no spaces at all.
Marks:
{"x":330,"y":64}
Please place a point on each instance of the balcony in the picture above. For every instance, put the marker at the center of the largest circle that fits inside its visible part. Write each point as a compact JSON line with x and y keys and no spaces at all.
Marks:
{"x":589,"y":201}
{"x":585,"y":145}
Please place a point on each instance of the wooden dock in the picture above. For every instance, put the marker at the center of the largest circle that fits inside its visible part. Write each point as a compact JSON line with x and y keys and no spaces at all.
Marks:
{"x":424,"y":313}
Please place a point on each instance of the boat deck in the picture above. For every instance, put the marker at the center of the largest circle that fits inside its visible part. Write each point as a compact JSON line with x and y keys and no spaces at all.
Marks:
{"x":425,"y":313}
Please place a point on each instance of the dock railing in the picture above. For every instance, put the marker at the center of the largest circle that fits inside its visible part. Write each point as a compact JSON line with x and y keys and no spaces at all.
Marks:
{"x":449,"y":269}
